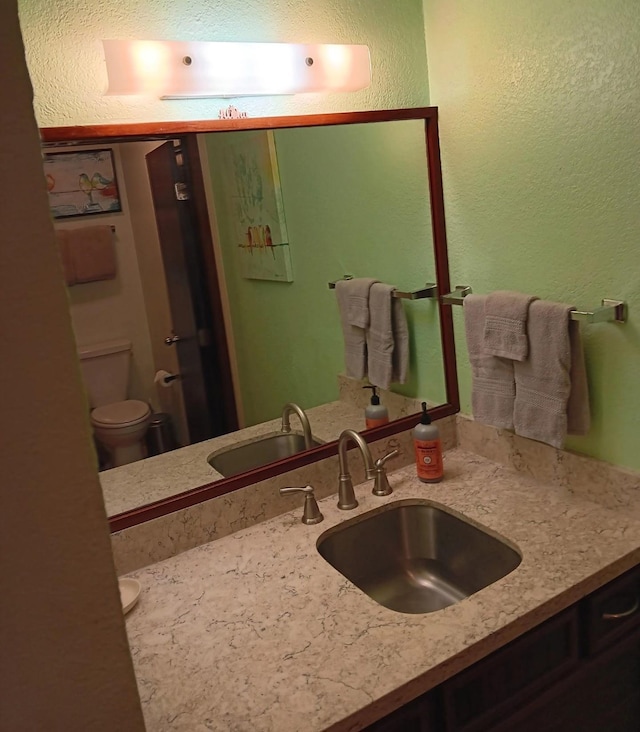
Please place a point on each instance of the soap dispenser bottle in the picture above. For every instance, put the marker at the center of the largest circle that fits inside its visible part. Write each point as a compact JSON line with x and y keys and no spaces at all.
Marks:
{"x":428,"y":449}
{"x":375,"y":414}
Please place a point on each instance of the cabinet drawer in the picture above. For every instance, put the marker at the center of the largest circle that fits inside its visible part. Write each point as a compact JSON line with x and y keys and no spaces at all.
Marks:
{"x":612,"y":611}
{"x":492,"y":687}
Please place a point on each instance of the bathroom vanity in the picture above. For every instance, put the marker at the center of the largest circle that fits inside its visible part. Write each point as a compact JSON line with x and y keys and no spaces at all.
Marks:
{"x":257,"y":631}
{"x":580,"y":670}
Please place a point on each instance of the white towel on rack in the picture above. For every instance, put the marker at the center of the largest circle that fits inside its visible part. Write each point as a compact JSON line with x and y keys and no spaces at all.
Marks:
{"x":505,"y":325}
{"x":492,"y":377}
{"x":387,"y":337}
{"x":546,"y":380}
{"x":353,"y":304}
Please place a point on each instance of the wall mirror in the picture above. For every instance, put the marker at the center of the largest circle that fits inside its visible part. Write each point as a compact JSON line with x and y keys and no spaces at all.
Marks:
{"x":347,"y":194}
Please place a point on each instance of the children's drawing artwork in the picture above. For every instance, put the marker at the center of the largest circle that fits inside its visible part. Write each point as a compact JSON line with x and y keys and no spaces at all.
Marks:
{"x":81,"y":183}
{"x":258,"y":212}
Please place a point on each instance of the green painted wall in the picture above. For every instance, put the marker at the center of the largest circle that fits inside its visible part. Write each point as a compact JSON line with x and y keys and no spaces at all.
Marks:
{"x":66,"y":60}
{"x":540,"y":137}
{"x":356,"y":201}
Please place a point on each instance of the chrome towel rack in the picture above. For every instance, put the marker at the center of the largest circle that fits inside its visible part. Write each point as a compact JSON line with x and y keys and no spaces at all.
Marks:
{"x":609,"y":311}
{"x":429,"y":290}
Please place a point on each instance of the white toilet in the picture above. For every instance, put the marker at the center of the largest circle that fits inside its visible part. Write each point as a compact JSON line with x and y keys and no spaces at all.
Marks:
{"x":118,"y":423}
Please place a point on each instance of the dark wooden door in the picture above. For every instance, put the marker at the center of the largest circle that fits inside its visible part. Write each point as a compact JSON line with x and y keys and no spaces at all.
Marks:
{"x":199,"y":355}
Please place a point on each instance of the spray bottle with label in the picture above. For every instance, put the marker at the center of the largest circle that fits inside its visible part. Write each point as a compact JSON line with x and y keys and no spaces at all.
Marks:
{"x":428,"y":449}
{"x":375,"y":414}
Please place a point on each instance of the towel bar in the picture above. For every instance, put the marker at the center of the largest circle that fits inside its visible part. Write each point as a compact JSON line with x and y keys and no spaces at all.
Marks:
{"x":429,"y":290}
{"x":457,"y":296}
{"x":609,"y":311}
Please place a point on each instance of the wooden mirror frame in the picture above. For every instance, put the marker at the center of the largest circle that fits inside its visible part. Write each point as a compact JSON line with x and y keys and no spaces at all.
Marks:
{"x":168,"y":130}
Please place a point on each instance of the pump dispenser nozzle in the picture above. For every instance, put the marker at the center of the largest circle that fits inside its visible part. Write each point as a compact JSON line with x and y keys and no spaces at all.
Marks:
{"x":375,"y":399}
{"x":425,"y":419}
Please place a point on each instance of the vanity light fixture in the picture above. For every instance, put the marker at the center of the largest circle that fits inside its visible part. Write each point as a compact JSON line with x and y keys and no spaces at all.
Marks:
{"x":200,"y":69}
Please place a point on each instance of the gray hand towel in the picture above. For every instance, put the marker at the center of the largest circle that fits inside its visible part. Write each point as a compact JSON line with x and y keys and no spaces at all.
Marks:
{"x":492,"y":378}
{"x":349,"y":294}
{"x":387,"y":337}
{"x":543,"y":381}
{"x":358,"y":307}
{"x":578,"y":410}
{"x":400,"y":342}
{"x":505,"y":325}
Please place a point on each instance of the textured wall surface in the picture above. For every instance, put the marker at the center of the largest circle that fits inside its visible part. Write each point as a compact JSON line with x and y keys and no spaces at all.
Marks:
{"x":65,"y":57}
{"x":65,"y":659}
{"x":356,"y":201}
{"x":540,"y":137}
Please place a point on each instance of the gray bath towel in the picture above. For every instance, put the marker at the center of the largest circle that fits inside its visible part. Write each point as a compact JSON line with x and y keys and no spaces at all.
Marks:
{"x":387,"y":337}
{"x":578,"y":408}
{"x":492,"y":378}
{"x":353,"y":304}
{"x":358,"y":306}
{"x":546,"y":380}
{"x":505,"y":325}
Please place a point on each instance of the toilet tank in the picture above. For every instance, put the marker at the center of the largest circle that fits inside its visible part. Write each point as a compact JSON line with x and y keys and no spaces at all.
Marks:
{"x":105,"y":370}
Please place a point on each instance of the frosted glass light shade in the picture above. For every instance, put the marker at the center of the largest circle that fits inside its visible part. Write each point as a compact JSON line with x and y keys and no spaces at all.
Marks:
{"x":179,"y":69}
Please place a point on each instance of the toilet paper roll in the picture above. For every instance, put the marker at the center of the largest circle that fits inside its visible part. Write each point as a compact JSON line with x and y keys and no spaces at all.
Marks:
{"x":164,"y":378}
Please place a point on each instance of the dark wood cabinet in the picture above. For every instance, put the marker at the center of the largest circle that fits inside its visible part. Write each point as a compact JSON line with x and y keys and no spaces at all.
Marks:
{"x":499,"y":683}
{"x":611,"y":612}
{"x":577,"y":672}
{"x":602,"y":696}
{"x":417,"y":716}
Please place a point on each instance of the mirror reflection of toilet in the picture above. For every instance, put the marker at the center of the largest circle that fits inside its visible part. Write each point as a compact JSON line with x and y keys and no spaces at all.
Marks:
{"x":119,"y":424}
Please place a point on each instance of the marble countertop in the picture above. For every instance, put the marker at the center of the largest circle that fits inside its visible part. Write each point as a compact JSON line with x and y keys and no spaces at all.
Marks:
{"x":257,"y":632}
{"x":143,"y":482}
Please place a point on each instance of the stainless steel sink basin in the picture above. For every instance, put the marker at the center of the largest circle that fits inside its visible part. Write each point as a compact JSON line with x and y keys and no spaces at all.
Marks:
{"x":414,"y":557}
{"x":256,"y":453}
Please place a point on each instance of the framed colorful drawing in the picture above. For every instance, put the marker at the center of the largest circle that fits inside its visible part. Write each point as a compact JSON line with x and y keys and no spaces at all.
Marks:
{"x":255,"y":199}
{"x":81,"y":183}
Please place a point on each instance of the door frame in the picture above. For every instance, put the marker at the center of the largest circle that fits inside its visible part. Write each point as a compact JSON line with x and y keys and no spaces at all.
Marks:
{"x":211,"y":409}
{"x":200,"y":211}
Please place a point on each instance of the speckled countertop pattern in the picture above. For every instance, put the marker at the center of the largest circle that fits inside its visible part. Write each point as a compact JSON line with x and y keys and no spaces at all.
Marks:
{"x":257,"y":632}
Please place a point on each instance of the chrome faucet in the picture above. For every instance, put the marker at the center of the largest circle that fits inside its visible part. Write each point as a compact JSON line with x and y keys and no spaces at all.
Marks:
{"x":346,"y":495}
{"x":304,"y":421}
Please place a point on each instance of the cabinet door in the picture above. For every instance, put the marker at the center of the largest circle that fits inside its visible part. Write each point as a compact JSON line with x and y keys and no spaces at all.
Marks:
{"x":488,"y":691}
{"x":612,"y":611}
{"x":603,"y":696}
{"x":416,"y":716}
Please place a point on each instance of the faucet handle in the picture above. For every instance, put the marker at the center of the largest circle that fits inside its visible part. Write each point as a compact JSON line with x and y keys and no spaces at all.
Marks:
{"x":381,"y":461}
{"x":311,"y":513}
{"x":381,"y":485}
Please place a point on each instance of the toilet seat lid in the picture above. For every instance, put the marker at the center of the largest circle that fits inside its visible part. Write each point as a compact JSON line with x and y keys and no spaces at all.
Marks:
{"x":119,"y":413}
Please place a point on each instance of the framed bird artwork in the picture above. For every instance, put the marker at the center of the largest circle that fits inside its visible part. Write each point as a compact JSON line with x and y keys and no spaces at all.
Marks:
{"x":81,"y":183}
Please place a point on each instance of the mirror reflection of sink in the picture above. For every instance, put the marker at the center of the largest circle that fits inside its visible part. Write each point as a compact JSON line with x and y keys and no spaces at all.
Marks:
{"x":414,"y":557}
{"x":237,"y":459}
